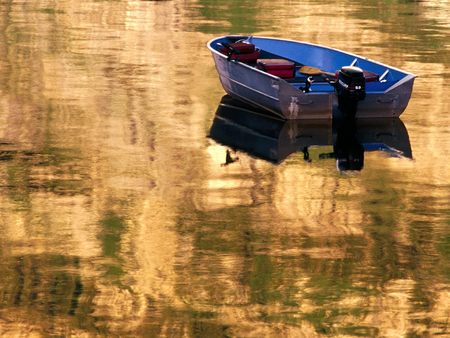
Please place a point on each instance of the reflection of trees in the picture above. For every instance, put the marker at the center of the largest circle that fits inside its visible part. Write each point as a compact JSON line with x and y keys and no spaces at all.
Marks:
{"x":40,"y":290}
{"x":46,"y":185}
{"x":426,"y":23}
{"x":241,"y":16}
{"x":370,"y":282}
{"x":101,"y":237}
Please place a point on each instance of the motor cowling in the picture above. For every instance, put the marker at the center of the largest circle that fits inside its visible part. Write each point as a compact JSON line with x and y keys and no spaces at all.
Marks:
{"x":350,"y":88}
{"x":351,"y":83}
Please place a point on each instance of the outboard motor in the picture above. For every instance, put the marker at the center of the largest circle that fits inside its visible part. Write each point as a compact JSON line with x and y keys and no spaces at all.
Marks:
{"x":350,"y":88}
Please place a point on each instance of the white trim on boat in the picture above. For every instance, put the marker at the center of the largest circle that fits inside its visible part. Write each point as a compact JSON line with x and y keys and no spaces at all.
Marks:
{"x":401,"y":82}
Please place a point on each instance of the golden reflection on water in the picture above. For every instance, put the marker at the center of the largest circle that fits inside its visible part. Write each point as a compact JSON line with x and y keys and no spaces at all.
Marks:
{"x":119,"y":219}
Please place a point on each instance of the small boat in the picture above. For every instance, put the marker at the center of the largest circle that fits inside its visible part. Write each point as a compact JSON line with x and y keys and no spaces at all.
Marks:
{"x":243,"y":127}
{"x":299,"y":80}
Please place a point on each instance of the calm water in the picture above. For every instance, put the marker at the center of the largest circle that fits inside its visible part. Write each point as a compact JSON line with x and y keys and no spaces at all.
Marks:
{"x":118,"y":219}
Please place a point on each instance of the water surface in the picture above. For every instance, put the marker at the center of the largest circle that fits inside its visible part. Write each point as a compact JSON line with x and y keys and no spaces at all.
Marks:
{"x":119,"y":219}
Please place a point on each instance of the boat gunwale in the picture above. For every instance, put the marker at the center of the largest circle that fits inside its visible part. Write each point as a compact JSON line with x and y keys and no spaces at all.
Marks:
{"x":408,"y":75}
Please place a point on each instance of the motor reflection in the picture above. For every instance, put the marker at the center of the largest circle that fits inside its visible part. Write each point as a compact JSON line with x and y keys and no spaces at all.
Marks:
{"x":242,"y":127}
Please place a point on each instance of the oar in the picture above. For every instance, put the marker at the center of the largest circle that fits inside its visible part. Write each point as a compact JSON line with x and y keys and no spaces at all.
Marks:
{"x":308,"y":70}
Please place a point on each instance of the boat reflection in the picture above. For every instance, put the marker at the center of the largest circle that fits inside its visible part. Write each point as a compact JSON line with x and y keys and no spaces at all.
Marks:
{"x":242,"y":127}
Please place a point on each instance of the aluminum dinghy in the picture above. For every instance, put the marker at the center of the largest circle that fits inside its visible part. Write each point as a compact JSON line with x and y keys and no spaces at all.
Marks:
{"x":312,"y":93}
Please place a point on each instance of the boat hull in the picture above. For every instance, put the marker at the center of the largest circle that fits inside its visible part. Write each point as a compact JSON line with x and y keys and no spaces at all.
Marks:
{"x":288,"y":101}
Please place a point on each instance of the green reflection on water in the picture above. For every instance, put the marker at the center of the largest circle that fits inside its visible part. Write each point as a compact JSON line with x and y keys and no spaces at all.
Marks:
{"x":113,"y":228}
{"x":242,"y":16}
{"x":262,"y":281}
{"x":444,"y":250}
{"x":51,"y":11}
{"x":60,"y":173}
{"x":45,"y":284}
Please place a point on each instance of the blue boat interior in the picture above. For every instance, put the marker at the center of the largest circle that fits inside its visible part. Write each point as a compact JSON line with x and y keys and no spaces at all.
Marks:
{"x":326,"y":59}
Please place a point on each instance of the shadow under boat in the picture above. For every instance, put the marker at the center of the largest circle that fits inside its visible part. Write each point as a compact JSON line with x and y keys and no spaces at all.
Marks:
{"x":245,"y":128}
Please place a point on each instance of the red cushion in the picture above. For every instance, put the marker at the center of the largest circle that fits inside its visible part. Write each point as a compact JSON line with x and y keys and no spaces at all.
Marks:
{"x":283,"y":73}
{"x":278,"y":67}
{"x":242,"y":47}
{"x":249,"y":57}
{"x":241,"y":51}
{"x":275,"y":64}
{"x":238,"y":48}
